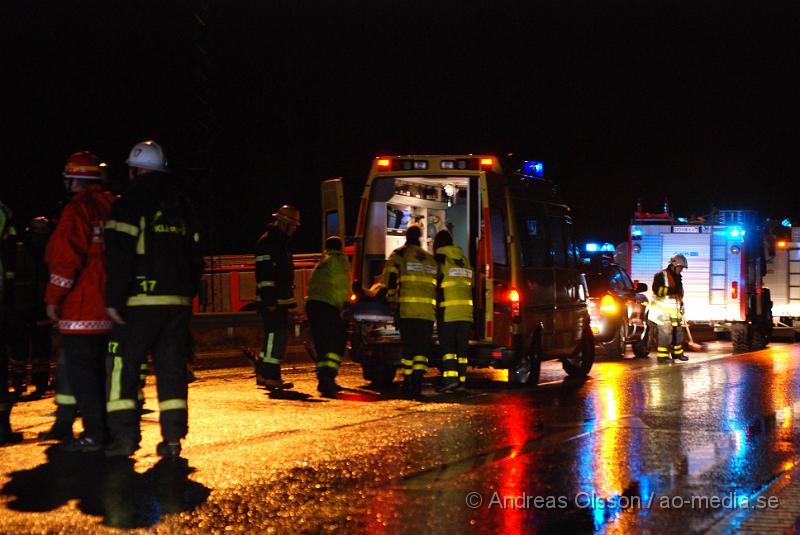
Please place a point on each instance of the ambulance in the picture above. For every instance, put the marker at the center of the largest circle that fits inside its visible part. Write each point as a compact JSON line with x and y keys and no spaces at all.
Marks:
{"x":724,"y":283}
{"x":528,"y":293}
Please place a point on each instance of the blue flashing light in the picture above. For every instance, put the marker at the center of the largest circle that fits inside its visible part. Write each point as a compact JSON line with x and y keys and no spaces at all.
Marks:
{"x":735,"y":232}
{"x":607,"y":247}
{"x":683,"y":219}
{"x":592,"y":247}
{"x":636,"y":231}
{"x":533,"y":169}
{"x":786,"y":223}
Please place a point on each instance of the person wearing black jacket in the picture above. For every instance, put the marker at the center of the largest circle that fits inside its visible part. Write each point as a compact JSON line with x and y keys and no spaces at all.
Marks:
{"x":8,"y":246}
{"x":275,"y":294}
{"x":154,"y":265}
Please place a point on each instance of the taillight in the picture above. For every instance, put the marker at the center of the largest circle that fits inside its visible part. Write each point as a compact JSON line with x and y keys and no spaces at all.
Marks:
{"x":608,"y":305}
{"x":781,"y":244}
{"x":513,"y":298}
{"x":384,"y":164}
{"x":734,"y":290}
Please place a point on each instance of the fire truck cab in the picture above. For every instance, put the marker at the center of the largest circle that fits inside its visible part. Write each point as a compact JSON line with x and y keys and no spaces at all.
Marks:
{"x":528,"y":294}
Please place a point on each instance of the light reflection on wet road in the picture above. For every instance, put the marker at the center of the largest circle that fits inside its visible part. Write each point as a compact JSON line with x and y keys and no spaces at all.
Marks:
{"x":599,"y":455}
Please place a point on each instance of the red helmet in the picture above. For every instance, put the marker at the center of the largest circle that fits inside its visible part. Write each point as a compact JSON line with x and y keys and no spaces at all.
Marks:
{"x":83,"y":164}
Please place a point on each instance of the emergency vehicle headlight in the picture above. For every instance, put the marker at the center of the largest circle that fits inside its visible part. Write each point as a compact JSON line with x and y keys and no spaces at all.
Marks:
{"x":608,"y":305}
{"x":447,"y":164}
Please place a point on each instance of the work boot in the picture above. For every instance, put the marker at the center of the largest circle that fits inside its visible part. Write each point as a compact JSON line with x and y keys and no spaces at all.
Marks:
{"x":169,"y":449}
{"x":121,"y":447}
{"x":407,"y":390}
{"x":6,"y":435}
{"x":448,"y":388}
{"x":416,"y":384}
{"x":272,"y":384}
{"x":328,"y":387}
{"x":60,"y":431}
{"x":82,"y":445}
{"x":662,"y":360}
{"x":682,"y":357}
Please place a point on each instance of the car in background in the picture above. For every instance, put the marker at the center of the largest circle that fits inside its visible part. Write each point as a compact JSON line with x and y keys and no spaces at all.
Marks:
{"x":617,"y":308}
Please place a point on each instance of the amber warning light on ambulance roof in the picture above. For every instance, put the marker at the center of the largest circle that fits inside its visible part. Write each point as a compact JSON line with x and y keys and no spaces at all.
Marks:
{"x":384,"y":164}
{"x":487,"y":163}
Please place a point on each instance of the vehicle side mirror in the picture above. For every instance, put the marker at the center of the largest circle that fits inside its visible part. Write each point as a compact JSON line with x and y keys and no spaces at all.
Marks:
{"x":641,"y":288}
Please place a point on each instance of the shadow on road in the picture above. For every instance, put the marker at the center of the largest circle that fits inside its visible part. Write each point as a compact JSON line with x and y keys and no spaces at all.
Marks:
{"x":110,"y":488}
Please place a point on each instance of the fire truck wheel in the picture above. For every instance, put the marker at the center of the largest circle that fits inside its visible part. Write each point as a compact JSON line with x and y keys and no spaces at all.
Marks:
{"x":580,"y":363}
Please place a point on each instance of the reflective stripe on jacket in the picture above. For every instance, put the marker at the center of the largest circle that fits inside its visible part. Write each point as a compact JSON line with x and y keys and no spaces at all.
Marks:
{"x":330,"y":280}
{"x":153,"y":251}
{"x":667,"y":295}
{"x":410,"y":277}
{"x":274,"y":269}
{"x":74,"y":258}
{"x":456,"y":284}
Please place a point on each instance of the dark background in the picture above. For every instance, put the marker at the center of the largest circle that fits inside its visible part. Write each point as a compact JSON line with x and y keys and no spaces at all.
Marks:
{"x":650,"y":99}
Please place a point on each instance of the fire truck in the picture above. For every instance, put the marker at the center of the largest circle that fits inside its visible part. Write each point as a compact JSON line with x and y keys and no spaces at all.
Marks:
{"x":783,"y":272}
{"x":724,"y":285}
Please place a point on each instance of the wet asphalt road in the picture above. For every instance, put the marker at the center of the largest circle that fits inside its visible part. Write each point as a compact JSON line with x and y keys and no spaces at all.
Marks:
{"x":638,"y":446}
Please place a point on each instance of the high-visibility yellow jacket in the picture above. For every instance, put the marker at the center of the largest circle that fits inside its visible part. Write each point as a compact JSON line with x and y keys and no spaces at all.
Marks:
{"x":410,"y":277}
{"x":330,"y":280}
{"x":455,"y":275}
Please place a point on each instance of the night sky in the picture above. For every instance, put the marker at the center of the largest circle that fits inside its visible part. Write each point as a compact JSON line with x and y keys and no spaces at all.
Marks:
{"x":621,"y":100}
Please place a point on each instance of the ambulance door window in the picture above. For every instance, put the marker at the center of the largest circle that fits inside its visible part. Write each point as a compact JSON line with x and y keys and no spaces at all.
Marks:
{"x":499,"y":255}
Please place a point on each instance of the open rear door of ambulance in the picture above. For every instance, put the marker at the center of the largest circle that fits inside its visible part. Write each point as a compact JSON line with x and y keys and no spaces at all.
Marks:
{"x":333,"y":222}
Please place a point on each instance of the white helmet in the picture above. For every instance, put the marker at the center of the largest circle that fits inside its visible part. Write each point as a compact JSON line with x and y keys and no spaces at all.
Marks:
{"x":679,"y":260}
{"x":148,"y":155}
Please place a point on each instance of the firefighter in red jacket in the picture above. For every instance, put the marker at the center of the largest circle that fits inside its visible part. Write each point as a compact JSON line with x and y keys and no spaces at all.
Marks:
{"x":74,"y":296}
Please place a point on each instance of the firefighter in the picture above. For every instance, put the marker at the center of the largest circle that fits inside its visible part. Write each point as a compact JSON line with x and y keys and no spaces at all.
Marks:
{"x":7,"y":256}
{"x":275,"y":294}
{"x":454,"y":313}
{"x":668,"y":308}
{"x":74,"y":296}
{"x":328,"y":290}
{"x":410,"y":279}
{"x":34,"y":341}
{"x":154,"y":265}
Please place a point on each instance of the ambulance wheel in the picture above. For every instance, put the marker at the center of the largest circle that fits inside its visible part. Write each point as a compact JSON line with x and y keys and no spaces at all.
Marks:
{"x":526,"y":371}
{"x":580,"y":363}
{"x":615,"y":349}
